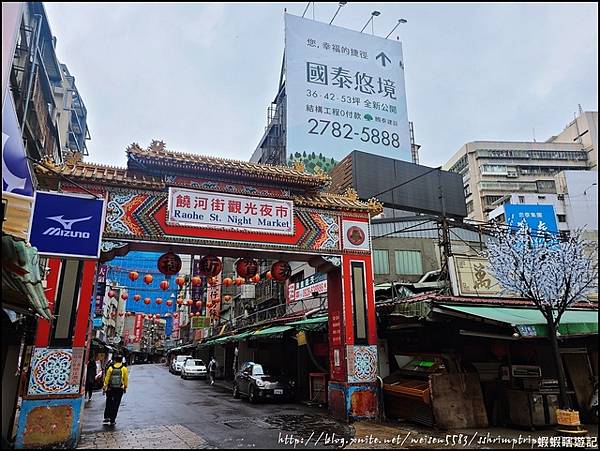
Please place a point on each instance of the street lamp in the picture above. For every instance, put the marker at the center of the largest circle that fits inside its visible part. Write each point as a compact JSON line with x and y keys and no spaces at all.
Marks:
{"x":373,"y":14}
{"x":396,"y":26}
{"x":340,"y":4}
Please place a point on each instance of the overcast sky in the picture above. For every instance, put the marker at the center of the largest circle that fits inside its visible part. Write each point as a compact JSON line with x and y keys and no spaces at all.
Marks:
{"x":200,"y":76}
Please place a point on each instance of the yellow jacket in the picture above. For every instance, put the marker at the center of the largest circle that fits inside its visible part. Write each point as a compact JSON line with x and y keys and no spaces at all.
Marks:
{"x":124,"y":375}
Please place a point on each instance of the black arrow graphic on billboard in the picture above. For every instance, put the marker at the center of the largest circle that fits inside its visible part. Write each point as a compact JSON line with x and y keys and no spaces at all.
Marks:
{"x":383,"y":57}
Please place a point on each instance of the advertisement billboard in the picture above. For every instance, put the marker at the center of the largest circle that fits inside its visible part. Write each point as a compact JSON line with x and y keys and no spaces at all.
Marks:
{"x":67,"y":225}
{"x":345,"y":91}
{"x":535,"y":215}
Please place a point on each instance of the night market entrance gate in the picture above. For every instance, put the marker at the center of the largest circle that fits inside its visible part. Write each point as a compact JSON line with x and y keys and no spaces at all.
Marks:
{"x":168,"y":201}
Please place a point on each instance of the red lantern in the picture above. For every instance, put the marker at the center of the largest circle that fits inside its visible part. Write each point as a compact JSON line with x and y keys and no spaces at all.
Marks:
{"x":169,"y":303}
{"x":196,"y":281}
{"x":147,"y":301}
{"x":179,"y":301}
{"x":269,"y":275}
{"x":227,"y":281}
{"x":199,"y":304}
{"x":239,"y":281}
{"x":256,"y":278}
{"x":190,"y":302}
{"x":136,"y":297}
{"x":124,"y":296}
{"x":281,"y":271}
{"x":227,"y":298}
{"x":111,"y":294}
{"x":164,"y":285}
{"x":246,"y":267}
{"x":180,"y":281}
{"x":169,"y":264}
{"x":133,"y":276}
{"x":210,"y":265}
{"x":158,"y":301}
{"x":148,"y":279}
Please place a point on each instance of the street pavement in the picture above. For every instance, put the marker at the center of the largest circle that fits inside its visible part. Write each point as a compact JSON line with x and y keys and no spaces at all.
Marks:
{"x":161,"y":410}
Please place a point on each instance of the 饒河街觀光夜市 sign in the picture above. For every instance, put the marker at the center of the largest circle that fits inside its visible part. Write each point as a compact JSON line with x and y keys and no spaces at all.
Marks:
{"x":345,"y":91}
{"x":230,"y":212}
{"x":67,"y":225}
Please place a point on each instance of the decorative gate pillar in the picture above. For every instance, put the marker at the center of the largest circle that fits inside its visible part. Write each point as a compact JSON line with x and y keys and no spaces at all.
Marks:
{"x":353,"y":392}
{"x":52,"y":407}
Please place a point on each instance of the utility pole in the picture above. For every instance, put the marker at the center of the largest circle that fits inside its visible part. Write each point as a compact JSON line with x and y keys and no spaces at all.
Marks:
{"x":444,"y":230}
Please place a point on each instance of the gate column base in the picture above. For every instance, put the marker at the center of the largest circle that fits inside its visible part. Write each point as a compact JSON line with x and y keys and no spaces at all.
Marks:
{"x":353,"y":401}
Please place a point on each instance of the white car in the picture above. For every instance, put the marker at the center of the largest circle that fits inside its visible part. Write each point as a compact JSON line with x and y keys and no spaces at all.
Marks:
{"x":178,"y":362}
{"x":193,"y":368}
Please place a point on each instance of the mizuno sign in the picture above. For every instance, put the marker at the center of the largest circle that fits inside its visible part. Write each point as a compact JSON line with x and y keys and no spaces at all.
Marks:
{"x":56,"y":231}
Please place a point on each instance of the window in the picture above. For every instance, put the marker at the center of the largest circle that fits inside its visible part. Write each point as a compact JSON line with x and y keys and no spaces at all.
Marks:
{"x":409,"y":263}
{"x":562,"y":218}
{"x":381,"y":261}
{"x":470,"y":207}
{"x":561,"y":197}
{"x":521,"y":199}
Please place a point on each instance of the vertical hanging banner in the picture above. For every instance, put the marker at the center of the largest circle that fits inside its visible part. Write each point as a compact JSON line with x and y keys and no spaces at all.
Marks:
{"x":137,"y":330}
{"x":345,"y":91}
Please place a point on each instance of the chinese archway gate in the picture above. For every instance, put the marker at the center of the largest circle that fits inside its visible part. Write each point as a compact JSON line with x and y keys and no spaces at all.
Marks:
{"x":329,"y":231}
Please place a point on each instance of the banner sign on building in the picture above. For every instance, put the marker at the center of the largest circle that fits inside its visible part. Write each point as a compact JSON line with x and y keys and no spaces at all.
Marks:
{"x":138,"y":328}
{"x":196,"y":291}
{"x":230,"y":212}
{"x":470,"y":276}
{"x":345,"y":91}
{"x":16,"y":176}
{"x":535,"y":215}
{"x":67,"y":225}
{"x":316,"y":283}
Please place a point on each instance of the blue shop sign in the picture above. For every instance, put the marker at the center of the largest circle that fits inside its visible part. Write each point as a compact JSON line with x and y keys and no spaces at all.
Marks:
{"x":67,"y":225}
{"x":533,"y":214}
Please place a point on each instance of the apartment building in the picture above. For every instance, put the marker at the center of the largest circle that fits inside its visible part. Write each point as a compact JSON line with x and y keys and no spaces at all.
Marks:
{"x":582,"y":130}
{"x":491,"y":170}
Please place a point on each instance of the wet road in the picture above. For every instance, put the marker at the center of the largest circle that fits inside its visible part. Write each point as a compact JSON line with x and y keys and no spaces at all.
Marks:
{"x":162,"y":410}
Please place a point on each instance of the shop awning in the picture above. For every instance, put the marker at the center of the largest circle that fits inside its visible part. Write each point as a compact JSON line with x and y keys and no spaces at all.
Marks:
{"x":309,"y":323}
{"x":271,"y":331}
{"x":531,"y":322}
{"x":21,"y":277}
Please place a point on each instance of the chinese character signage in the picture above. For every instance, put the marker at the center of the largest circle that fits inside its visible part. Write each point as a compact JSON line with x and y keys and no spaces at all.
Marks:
{"x":470,"y":276}
{"x":345,"y":91}
{"x":230,"y":212}
{"x":536,"y":216}
{"x":138,"y":328}
{"x":316,"y":283}
{"x":67,"y":225}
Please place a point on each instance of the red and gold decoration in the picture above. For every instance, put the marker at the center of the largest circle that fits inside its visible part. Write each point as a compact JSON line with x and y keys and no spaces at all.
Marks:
{"x":158,"y":301}
{"x":210,"y":265}
{"x":124,"y":296}
{"x":112,"y":294}
{"x":227,"y":281}
{"x":269,"y":275}
{"x":281,"y":271}
{"x":133,"y":276}
{"x":169,"y":264}
{"x":147,"y":301}
{"x":164,"y":285}
{"x":189,"y":302}
{"x":180,"y":281}
{"x":136,"y":297}
{"x":239,"y":281}
{"x":246,"y":267}
{"x":196,"y":280}
{"x":255,"y":278}
{"x":148,"y":279}
{"x":179,"y":301}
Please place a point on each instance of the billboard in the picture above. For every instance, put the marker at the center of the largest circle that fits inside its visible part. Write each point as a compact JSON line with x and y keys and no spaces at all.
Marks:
{"x":534,"y":215}
{"x":345,"y":91}
{"x":374,"y":175}
{"x":67,"y":225}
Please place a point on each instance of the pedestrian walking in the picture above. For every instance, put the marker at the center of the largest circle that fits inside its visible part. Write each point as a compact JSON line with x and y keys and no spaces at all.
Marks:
{"x":90,"y":378}
{"x":212,"y":370}
{"x":115,"y":385}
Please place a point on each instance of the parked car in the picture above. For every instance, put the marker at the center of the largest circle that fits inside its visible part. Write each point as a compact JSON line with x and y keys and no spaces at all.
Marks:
{"x":178,"y":363}
{"x":259,"y":382}
{"x":193,"y":368}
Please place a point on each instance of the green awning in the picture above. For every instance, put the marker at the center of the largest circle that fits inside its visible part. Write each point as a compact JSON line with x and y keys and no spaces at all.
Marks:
{"x":310,"y":323}
{"x":271,"y":331}
{"x":531,"y":322}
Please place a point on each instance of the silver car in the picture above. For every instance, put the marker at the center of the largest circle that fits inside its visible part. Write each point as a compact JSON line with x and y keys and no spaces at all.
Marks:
{"x":193,"y":368}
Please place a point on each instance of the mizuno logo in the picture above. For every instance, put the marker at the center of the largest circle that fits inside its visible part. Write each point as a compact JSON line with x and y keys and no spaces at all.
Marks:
{"x":67,"y":223}
{"x":66,"y":230}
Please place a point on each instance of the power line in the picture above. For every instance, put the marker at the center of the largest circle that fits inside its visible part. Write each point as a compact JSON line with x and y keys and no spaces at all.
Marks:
{"x":408,"y":181}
